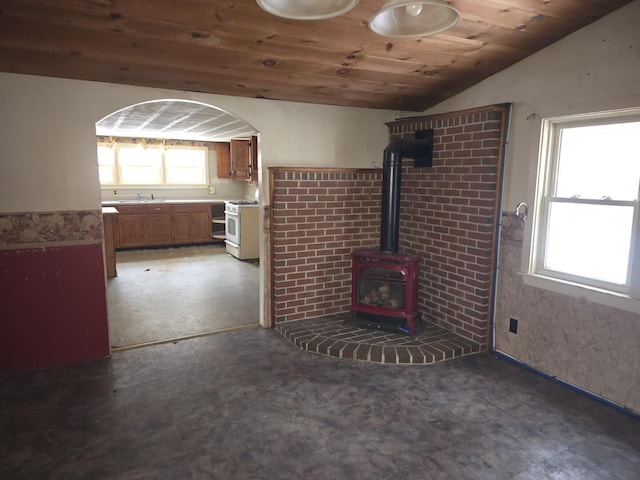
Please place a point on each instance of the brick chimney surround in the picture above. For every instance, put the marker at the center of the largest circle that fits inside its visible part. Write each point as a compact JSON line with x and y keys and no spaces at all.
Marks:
{"x":448,"y":217}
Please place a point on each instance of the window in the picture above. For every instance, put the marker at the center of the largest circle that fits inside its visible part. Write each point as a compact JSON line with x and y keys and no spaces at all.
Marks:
{"x":186,"y":166}
{"x":106,"y":165}
{"x":138,"y":165}
{"x":587,"y":208}
{"x":135,"y":164}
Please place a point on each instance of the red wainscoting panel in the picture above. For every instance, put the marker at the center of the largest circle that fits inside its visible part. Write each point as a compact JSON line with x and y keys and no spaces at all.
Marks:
{"x":52,"y":307}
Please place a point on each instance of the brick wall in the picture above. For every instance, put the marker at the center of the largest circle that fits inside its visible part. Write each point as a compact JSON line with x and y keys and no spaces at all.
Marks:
{"x":447,"y":216}
{"x":318,"y":217}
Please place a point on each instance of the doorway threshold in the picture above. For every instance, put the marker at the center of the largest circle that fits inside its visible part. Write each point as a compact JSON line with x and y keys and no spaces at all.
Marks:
{"x":115,"y":348}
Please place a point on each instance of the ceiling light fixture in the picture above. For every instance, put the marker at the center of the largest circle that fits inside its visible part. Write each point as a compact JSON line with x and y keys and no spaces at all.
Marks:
{"x":397,"y":18}
{"x":411,"y":18}
{"x":307,"y":9}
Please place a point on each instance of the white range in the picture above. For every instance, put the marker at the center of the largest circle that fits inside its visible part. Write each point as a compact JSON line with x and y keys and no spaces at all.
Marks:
{"x":242,"y":228}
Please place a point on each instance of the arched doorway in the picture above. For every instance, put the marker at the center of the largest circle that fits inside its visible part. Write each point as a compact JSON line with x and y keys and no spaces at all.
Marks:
{"x":178,"y":289}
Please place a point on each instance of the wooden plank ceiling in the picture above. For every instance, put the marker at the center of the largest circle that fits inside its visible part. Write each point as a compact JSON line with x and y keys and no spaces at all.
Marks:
{"x":232,"y":47}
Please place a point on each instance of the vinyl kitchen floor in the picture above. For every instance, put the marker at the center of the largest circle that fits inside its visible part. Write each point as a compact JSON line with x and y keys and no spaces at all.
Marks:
{"x":248,"y":404}
{"x":163,"y":294}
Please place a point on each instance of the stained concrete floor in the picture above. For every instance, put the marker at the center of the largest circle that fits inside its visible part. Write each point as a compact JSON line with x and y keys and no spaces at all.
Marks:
{"x":168,"y":293}
{"x":248,"y":404}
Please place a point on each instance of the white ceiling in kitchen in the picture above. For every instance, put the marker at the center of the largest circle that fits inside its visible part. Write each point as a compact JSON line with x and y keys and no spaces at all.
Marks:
{"x":174,"y":119}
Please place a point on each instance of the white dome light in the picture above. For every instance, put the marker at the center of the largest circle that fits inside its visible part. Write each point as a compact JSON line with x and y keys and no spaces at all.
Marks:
{"x":307,"y":9}
{"x":414,"y":19}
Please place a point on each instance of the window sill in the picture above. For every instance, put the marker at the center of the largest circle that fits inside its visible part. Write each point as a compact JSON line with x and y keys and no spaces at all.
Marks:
{"x":592,"y":294}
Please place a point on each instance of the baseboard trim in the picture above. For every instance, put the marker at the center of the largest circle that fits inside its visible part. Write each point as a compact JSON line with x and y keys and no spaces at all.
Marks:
{"x":586,"y":393}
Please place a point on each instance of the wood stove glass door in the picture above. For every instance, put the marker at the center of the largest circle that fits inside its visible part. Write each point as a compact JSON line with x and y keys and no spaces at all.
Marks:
{"x":381,"y":287}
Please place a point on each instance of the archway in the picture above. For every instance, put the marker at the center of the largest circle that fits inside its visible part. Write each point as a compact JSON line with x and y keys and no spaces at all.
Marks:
{"x":173,"y":124}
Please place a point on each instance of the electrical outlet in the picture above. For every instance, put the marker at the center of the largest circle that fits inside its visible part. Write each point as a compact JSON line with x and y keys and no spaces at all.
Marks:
{"x":513,"y":325}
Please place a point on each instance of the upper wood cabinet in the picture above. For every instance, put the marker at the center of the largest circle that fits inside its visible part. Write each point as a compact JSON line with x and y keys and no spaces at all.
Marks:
{"x":238,"y":159}
{"x":253,"y":147}
{"x":223,"y":154}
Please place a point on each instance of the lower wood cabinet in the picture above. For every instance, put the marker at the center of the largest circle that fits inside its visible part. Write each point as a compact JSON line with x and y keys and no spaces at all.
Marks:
{"x":153,"y":225}
{"x":201,"y":226}
{"x":130,"y":227}
{"x":181,"y":227}
{"x":157,"y":225}
{"x":192,"y":223}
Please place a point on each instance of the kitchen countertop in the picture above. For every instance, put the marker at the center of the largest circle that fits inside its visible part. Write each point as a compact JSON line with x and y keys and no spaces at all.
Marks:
{"x":115,"y":203}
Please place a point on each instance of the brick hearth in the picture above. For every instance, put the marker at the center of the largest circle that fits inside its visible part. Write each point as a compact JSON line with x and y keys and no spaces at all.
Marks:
{"x":332,"y":336}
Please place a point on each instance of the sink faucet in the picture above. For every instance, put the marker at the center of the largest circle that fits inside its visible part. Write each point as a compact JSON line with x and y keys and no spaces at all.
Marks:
{"x":140,"y":196}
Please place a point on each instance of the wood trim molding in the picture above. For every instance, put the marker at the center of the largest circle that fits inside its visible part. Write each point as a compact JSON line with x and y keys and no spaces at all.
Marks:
{"x":274,"y":170}
{"x":408,"y":121}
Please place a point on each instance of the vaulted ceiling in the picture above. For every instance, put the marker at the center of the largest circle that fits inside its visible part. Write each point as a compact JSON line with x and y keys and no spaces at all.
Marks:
{"x":233,"y":47}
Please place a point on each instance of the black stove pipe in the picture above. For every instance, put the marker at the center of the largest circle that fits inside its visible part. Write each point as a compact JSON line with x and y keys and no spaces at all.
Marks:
{"x":391,"y":177}
{"x":421,"y":150}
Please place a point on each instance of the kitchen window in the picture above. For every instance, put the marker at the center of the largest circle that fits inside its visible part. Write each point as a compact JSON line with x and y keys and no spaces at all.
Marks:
{"x":586,"y":226}
{"x":140,"y":164}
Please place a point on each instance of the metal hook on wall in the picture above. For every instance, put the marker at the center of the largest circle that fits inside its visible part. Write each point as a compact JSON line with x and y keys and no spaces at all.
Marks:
{"x":526,"y":210}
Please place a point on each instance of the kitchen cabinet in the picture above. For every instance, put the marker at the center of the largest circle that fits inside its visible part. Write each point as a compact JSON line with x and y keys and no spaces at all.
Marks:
{"x":131,"y":232}
{"x":157,"y":225}
{"x":253,"y":151}
{"x":223,"y":154}
{"x":181,"y":227}
{"x":164,"y":224}
{"x":191,"y":223}
{"x":238,"y":159}
{"x":241,"y":159}
{"x":218,"y":225}
{"x":201,"y":225}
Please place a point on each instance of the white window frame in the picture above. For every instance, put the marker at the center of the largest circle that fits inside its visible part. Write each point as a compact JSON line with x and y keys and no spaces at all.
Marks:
{"x":625,"y":297}
{"x":117,"y":168}
{"x":112,"y":166}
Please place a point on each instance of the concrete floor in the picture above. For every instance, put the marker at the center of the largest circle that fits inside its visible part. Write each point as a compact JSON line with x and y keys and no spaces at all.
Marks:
{"x":169,"y":293}
{"x":248,"y":404}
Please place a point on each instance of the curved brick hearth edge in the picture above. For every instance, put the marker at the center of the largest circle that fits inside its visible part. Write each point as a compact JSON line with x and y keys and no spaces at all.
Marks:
{"x":334,"y":337}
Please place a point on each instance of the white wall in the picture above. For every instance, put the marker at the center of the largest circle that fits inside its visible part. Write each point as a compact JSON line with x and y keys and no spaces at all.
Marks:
{"x":592,"y":346}
{"x":48,"y":140}
{"x":596,"y":68}
{"x":48,"y":157}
